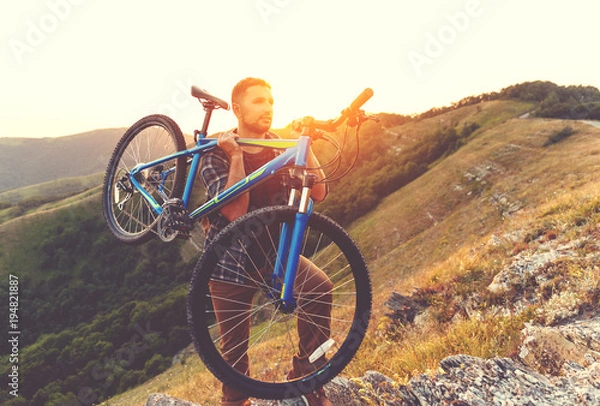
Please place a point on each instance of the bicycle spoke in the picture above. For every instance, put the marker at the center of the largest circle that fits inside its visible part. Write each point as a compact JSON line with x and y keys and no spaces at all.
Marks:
{"x":249,"y":316}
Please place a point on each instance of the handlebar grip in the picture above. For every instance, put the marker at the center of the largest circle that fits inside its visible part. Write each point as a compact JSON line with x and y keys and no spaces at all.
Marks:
{"x":361,"y":99}
{"x":331,"y":125}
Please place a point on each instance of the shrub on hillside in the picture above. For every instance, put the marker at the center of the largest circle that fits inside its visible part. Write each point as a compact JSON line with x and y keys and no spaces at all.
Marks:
{"x":559,"y":136}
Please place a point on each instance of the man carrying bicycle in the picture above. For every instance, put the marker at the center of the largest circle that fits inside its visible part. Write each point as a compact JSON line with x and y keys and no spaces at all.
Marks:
{"x":223,"y":167}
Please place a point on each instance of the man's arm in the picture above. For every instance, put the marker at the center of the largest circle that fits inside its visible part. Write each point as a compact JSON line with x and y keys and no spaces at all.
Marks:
{"x":237,"y":172}
{"x":221,"y":170}
{"x":319,"y":191}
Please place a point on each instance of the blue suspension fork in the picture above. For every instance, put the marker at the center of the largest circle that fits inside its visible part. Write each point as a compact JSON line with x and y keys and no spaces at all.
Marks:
{"x":283,"y":249}
{"x":292,"y":235}
{"x":293,"y":259}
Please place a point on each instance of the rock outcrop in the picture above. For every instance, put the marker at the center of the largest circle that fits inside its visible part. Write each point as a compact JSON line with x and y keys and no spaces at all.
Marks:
{"x":556,"y":366}
{"x":159,"y":399}
{"x":466,"y":380}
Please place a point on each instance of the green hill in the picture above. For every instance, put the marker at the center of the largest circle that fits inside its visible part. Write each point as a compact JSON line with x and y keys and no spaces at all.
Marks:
{"x":85,"y":298}
{"x":29,"y":161}
{"x":18,"y":202}
{"x":100,"y":318}
{"x":55,"y":188}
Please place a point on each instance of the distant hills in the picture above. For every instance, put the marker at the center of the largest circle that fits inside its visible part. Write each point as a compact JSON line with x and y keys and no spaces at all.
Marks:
{"x":29,"y":161}
{"x":32,"y":161}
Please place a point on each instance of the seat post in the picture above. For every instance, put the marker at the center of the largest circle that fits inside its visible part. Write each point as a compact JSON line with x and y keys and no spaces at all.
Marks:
{"x":208,"y":108}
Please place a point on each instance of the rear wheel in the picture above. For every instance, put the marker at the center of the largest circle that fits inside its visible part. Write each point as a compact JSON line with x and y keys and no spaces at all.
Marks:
{"x":274,"y":337}
{"x":129,"y":216}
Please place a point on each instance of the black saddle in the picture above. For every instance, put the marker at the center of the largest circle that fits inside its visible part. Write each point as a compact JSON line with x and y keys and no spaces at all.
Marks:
{"x":202,"y":94}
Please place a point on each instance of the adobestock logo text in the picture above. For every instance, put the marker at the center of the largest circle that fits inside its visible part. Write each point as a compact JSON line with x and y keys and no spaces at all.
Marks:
{"x":38,"y":30}
{"x":268,"y":8}
{"x":438,"y":41}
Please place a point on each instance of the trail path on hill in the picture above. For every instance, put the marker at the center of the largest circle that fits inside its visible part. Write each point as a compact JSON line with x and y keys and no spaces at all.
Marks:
{"x":592,"y":123}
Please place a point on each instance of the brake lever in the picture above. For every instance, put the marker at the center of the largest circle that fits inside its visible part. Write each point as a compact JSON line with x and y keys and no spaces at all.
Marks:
{"x":360,"y":117}
{"x":318,"y":134}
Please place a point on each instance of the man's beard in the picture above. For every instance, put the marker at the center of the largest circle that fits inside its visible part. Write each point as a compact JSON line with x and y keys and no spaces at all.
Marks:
{"x":256,"y":127}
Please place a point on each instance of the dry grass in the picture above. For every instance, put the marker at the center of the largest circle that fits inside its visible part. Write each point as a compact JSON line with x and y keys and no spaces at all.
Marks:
{"x":190,"y":381}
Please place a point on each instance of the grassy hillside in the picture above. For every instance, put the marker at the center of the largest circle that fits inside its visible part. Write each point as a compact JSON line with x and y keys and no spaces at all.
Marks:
{"x":84,"y":299}
{"x":55,"y":188}
{"x":434,"y":234}
{"x":46,"y":196}
{"x":450,"y":232}
{"x":392,"y":158}
{"x":29,"y":161}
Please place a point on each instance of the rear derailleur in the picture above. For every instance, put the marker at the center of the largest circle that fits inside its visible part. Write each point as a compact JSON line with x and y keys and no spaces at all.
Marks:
{"x":174,"y":221}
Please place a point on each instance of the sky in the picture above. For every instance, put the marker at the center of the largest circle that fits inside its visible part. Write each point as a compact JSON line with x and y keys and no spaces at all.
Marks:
{"x":71,"y":66}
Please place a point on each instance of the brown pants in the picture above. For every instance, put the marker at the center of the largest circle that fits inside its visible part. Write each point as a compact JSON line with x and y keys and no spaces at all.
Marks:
{"x":314,"y":289}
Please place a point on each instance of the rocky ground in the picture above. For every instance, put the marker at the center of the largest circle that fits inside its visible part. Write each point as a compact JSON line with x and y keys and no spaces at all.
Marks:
{"x":569,"y":355}
{"x":466,"y":380}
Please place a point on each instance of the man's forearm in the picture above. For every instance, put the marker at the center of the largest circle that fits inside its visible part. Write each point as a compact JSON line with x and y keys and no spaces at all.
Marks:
{"x":320,"y":189}
{"x":239,"y":206}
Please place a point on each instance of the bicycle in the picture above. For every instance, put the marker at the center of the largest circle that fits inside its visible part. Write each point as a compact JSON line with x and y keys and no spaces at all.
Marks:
{"x":146,"y":191}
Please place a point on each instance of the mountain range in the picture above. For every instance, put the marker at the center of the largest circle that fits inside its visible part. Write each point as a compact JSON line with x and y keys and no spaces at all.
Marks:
{"x":29,"y":161}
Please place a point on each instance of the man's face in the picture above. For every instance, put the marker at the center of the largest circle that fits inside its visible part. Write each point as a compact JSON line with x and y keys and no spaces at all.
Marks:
{"x":255,"y":109}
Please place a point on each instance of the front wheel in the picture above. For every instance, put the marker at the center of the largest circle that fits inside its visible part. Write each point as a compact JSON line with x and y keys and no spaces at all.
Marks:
{"x":266,"y":363}
{"x":128,"y":214}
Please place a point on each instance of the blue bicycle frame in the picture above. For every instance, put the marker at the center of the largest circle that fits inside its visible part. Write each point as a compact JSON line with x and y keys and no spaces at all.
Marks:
{"x":290,"y":244}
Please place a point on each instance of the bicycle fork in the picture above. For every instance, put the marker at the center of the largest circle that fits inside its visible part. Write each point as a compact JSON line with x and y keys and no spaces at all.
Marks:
{"x":290,"y":246}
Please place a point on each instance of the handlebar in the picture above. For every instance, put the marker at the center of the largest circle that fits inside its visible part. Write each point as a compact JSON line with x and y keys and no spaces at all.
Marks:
{"x":309,"y":124}
{"x":361,"y":99}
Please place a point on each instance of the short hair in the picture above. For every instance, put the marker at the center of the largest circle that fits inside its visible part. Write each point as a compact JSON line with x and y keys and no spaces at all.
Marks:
{"x":240,"y":88}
